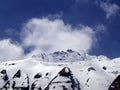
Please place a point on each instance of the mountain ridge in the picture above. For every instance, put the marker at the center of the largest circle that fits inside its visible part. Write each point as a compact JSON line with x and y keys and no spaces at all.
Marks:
{"x":70,"y":71}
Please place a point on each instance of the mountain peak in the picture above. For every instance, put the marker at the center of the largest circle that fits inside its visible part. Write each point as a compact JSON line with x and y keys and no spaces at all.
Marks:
{"x":59,"y":56}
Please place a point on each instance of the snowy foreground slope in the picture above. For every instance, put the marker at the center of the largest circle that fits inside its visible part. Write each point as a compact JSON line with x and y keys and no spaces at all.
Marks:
{"x":68,"y":70}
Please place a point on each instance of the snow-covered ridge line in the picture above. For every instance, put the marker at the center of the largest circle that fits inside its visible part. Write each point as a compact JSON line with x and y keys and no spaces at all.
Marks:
{"x":60,"y":70}
{"x":67,"y":56}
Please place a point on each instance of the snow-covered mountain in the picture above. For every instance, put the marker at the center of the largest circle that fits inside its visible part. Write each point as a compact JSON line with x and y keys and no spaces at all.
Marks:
{"x":61,"y":70}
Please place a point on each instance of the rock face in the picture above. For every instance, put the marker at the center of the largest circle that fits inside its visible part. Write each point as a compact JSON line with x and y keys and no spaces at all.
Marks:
{"x":63,"y":80}
{"x":20,"y":81}
{"x":116,"y":84}
{"x":5,"y":84}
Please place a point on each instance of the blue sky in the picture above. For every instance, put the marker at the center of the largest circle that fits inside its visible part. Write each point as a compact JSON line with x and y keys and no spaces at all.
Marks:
{"x":99,"y":19}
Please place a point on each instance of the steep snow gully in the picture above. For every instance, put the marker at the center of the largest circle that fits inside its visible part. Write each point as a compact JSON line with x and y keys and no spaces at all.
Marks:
{"x":61,"y":70}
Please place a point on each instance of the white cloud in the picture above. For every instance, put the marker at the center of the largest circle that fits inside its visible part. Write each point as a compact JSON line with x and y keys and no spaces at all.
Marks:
{"x":47,"y":35}
{"x":10,"y":51}
{"x":50,"y":35}
{"x":109,"y":8}
{"x":100,"y":28}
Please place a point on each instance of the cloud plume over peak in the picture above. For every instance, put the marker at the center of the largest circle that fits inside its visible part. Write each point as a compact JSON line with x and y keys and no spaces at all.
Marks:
{"x":47,"y":35}
{"x":44,"y":35}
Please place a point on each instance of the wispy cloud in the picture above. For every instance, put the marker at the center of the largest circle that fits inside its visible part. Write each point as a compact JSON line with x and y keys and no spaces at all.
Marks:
{"x":100,"y":28}
{"x":10,"y":51}
{"x":111,"y":9}
{"x":10,"y":32}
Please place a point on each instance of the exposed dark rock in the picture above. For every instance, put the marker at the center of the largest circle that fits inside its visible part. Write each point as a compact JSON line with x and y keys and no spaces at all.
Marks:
{"x":4,"y":78}
{"x":70,"y":51}
{"x":38,"y":75}
{"x":38,"y":82}
{"x":68,"y":83}
{"x":91,"y":68}
{"x":115,"y":84}
{"x":11,"y":64}
{"x":3,"y":71}
{"x":104,"y":67}
{"x":115,"y":72}
{"x":63,"y":80}
{"x":18,"y":74}
{"x":6,"y":86}
{"x":35,"y":86}
{"x":20,"y":81}
{"x":4,"y":75}
{"x":47,"y":74}
{"x":65,"y":72}
{"x":88,"y":80}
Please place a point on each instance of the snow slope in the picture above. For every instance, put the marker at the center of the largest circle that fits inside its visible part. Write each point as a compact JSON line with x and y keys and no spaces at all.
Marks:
{"x":61,"y":70}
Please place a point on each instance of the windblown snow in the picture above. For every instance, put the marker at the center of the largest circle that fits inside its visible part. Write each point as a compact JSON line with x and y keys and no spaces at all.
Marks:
{"x":61,"y":70}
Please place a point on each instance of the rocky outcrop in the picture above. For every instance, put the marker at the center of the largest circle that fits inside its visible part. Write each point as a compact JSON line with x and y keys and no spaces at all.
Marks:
{"x":20,"y":81}
{"x":63,"y":80}
{"x":115,"y":84}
